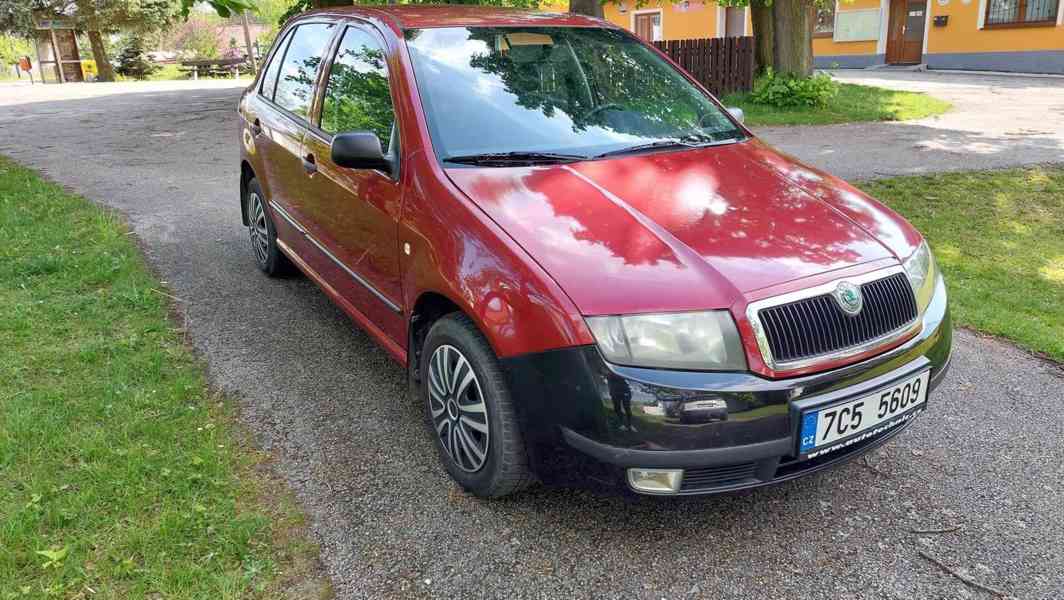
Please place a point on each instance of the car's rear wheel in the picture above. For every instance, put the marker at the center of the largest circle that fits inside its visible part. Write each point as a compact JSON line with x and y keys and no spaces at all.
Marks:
{"x":262,"y":234}
{"x":469,"y":411}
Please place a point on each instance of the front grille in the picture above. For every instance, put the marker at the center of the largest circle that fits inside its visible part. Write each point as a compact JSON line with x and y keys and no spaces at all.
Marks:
{"x":715,"y":477}
{"x":816,"y":326}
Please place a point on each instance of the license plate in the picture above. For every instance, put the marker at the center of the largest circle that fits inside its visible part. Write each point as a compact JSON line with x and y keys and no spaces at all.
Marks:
{"x":830,"y":427}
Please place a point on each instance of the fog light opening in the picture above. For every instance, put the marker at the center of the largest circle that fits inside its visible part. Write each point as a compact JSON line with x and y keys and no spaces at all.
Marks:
{"x":655,"y":481}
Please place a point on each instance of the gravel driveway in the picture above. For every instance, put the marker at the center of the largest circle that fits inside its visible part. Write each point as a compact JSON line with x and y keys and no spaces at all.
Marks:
{"x":987,"y":458}
{"x":997,"y":121}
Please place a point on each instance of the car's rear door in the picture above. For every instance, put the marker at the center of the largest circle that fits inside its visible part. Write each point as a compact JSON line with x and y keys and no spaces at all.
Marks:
{"x":353,"y":213}
{"x":279,"y":117}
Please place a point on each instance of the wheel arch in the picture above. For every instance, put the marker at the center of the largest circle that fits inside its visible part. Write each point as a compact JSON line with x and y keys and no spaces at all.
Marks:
{"x":246,"y":175}
{"x":429,"y":307}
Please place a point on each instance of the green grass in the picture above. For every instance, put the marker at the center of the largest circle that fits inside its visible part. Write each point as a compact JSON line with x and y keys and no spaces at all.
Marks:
{"x":124,"y":476}
{"x":999,"y":239}
{"x":166,"y":72}
{"x":853,"y":103}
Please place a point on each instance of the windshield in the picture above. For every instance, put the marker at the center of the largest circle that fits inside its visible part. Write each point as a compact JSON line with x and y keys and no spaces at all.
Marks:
{"x":563,"y":91}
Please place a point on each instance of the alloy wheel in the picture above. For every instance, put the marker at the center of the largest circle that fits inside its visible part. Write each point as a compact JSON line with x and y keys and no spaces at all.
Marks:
{"x":260,"y":241}
{"x":456,"y":403}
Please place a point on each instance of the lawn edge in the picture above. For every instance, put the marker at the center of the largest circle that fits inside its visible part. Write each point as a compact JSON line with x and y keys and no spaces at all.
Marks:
{"x":1039,"y":355}
{"x":949,"y":107}
{"x":299,"y":565}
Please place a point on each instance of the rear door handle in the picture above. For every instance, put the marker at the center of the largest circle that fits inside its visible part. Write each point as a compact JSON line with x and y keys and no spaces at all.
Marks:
{"x":309,"y":164}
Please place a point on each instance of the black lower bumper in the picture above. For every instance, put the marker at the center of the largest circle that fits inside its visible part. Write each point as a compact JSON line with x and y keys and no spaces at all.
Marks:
{"x":589,"y":421}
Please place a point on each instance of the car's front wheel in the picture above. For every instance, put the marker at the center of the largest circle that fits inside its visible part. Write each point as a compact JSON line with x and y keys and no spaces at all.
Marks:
{"x":469,"y":411}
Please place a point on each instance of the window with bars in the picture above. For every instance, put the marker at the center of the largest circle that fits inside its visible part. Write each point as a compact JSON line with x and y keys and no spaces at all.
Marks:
{"x":1021,"y":12}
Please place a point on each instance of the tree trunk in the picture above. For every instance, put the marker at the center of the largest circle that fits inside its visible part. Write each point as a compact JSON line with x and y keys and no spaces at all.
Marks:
{"x":247,"y":40}
{"x":591,"y":8}
{"x":764,"y":34}
{"x":793,"y":22}
{"x":104,"y":71}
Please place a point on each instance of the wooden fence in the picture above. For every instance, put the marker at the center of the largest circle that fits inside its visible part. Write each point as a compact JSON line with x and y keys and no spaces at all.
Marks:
{"x":723,"y":65}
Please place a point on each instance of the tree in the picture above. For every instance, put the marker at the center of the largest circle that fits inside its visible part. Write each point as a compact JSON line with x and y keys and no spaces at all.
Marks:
{"x":793,"y":36}
{"x":94,"y":17}
{"x":591,"y":8}
{"x":132,"y":62}
{"x":11,"y":49}
{"x":761,"y":20}
{"x":224,"y":8}
{"x":783,"y":33}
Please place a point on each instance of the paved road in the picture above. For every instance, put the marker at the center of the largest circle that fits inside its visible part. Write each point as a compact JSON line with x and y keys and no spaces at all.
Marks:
{"x":998,"y":121}
{"x":329,"y":404}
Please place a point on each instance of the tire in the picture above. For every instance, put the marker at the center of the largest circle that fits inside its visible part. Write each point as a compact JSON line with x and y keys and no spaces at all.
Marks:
{"x":262,"y":234}
{"x":454,"y":345}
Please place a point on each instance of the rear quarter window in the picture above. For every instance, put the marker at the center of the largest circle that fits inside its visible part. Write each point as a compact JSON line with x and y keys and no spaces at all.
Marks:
{"x":269,"y":79}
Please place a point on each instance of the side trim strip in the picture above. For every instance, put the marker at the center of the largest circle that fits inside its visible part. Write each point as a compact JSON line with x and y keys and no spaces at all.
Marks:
{"x":302,"y":230}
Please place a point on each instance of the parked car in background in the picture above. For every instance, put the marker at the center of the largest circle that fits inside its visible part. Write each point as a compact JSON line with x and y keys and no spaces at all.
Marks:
{"x":591,"y":269}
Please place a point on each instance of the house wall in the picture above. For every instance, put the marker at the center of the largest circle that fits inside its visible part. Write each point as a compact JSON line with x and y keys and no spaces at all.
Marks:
{"x":848,"y":55}
{"x":962,"y":44}
{"x":679,"y":21}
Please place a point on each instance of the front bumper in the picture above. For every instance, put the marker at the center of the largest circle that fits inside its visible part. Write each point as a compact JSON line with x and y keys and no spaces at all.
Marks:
{"x":586,"y":420}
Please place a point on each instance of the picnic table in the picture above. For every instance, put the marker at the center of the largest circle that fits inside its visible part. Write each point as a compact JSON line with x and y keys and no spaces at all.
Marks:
{"x":215,"y":67}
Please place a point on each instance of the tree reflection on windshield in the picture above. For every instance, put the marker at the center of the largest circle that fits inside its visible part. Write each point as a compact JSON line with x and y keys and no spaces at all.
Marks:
{"x":554,"y":89}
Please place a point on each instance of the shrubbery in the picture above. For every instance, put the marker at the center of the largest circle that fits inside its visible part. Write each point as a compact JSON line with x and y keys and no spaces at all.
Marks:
{"x":132,"y":62}
{"x":790,"y":90}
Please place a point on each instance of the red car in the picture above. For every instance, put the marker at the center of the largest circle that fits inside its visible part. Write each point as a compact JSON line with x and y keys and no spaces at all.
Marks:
{"x":591,"y":269}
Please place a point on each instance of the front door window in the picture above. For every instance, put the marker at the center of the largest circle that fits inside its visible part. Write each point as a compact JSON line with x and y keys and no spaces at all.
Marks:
{"x":357,"y":97}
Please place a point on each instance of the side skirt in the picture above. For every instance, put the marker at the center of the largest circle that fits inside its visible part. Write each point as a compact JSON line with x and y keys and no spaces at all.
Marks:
{"x":394,"y":349}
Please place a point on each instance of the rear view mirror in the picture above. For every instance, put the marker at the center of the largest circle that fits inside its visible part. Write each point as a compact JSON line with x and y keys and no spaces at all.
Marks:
{"x":359,"y":150}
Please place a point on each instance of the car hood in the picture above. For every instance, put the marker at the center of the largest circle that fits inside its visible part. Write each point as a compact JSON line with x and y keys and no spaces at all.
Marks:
{"x":687,"y":230}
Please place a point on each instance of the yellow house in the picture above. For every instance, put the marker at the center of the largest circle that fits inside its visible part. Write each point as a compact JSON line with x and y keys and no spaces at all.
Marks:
{"x":987,"y":35}
{"x":665,"y":20}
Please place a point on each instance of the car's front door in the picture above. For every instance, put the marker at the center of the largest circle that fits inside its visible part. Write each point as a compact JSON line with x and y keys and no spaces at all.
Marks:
{"x":278,"y":114}
{"x":354,"y":212}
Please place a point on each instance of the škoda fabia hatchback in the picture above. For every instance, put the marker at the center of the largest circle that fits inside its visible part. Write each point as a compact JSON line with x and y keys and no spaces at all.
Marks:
{"x":593,"y":271}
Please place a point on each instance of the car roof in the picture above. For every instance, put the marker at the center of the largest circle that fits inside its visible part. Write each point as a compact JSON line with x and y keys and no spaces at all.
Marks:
{"x":422,"y":16}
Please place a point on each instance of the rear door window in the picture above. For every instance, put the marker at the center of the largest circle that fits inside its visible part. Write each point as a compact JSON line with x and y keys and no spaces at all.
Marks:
{"x":295,"y":81}
{"x":357,"y":95}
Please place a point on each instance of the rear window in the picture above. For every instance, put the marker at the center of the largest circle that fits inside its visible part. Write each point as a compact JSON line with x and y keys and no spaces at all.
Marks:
{"x":295,"y":81}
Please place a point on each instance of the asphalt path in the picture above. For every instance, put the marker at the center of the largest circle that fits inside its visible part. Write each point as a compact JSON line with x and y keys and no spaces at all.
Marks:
{"x":985,"y":461}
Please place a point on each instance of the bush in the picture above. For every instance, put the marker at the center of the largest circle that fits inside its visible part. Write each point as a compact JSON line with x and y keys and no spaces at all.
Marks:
{"x":197,"y":38}
{"x":790,"y":90}
{"x":132,"y":62}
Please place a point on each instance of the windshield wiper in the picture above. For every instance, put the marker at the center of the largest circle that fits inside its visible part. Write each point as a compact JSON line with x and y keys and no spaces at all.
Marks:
{"x":516,"y":157}
{"x":687,"y":141}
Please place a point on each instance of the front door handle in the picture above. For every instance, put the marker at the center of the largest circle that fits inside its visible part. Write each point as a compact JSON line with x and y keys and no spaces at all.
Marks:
{"x":309,"y":164}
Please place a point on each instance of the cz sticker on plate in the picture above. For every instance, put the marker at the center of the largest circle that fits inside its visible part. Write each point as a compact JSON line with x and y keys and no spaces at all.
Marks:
{"x":837,"y":426}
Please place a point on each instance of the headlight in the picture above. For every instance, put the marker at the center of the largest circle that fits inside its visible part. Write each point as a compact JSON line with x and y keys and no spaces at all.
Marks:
{"x":923,"y":274}
{"x":694,"y":340}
